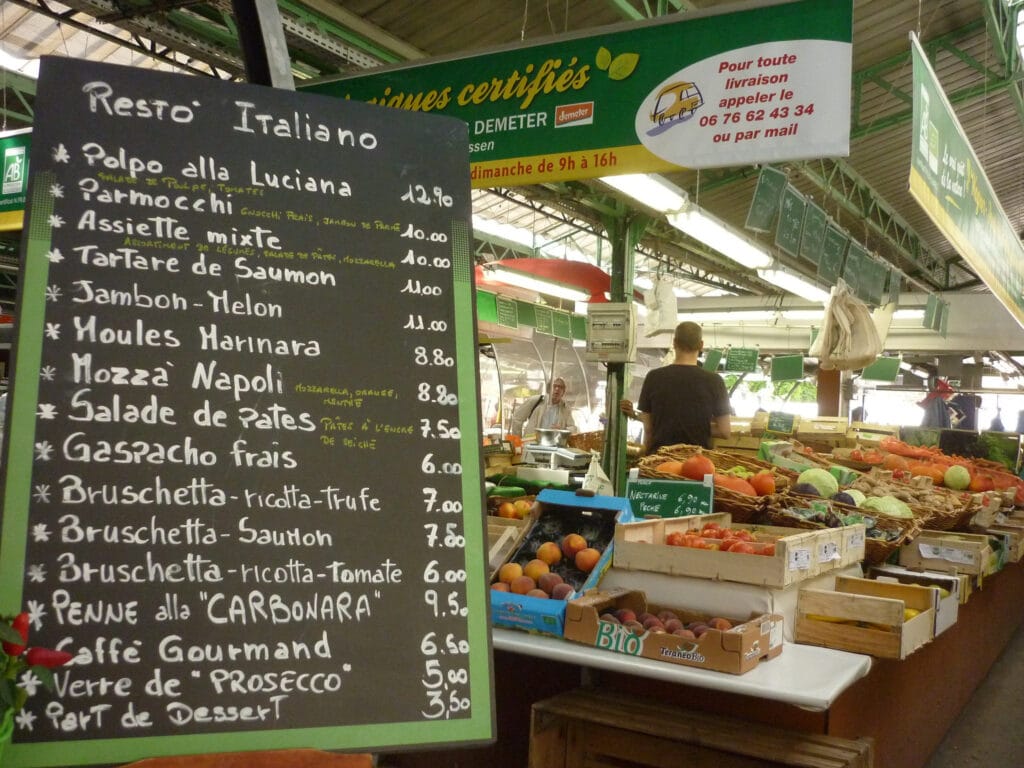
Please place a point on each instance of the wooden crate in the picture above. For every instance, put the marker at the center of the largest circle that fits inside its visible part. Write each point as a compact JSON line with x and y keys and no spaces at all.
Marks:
{"x":799,"y":553}
{"x":503,"y":536}
{"x":866,"y":616}
{"x":941,"y":550}
{"x":584,"y":728}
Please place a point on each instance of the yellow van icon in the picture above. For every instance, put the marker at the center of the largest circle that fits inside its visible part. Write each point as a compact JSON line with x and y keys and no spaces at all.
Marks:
{"x":676,"y":101}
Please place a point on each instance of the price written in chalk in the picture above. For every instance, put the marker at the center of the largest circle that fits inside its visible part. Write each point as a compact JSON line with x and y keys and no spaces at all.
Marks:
{"x":419,"y":194}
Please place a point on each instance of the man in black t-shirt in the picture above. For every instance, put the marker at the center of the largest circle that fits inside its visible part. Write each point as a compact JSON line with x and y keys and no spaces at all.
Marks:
{"x":681,"y":402}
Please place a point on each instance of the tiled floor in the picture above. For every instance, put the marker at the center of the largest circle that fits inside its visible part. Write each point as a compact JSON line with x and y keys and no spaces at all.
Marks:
{"x":990,"y":731}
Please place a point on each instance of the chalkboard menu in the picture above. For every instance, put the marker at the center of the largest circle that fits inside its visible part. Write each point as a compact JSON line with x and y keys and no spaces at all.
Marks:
{"x":764,"y":206}
{"x":741,"y":359}
{"x":787,"y":368}
{"x":780,"y":422}
{"x":669,"y":498}
{"x":712,"y":359}
{"x":813,"y":236}
{"x":507,"y":311}
{"x":832,"y":251}
{"x":791,"y":221}
{"x":855,"y":268}
{"x":244,"y":483}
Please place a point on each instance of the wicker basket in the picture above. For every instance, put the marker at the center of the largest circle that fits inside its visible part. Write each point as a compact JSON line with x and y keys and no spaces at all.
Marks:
{"x":876,"y":551}
{"x":743,"y":508}
{"x":587,"y":441}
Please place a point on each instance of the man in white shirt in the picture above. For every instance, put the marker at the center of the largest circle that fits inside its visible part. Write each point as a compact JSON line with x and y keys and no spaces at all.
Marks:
{"x":540,"y":412}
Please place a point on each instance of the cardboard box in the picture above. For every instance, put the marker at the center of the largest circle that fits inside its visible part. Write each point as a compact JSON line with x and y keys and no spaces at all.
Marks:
{"x":969,"y":553}
{"x":947,"y":590}
{"x":867,"y":616}
{"x":735,"y":650}
{"x":799,"y":553}
{"x":559,"y":513}
{"x":596,"y":728}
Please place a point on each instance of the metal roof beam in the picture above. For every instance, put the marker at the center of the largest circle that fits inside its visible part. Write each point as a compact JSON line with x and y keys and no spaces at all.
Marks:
{"x":844,"y":186}
{"x":1003,"y":22}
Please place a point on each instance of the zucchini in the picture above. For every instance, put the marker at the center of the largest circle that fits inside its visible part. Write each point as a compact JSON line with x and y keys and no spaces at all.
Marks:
{"x":507,"y":491}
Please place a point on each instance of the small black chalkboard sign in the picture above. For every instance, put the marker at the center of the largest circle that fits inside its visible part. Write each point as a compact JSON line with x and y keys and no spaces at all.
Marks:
{"x":244,"y":481}
{"x":780,"y":422}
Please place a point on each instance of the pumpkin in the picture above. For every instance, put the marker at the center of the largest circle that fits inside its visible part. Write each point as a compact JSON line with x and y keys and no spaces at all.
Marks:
{"x":669,"y":467}
{"x":763,"y":483}
{"x":696,"y":466}
{"x":733,"y":483}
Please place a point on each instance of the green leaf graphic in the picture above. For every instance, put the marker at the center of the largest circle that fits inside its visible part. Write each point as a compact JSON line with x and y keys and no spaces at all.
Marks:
{"x":622,"y":66}
{"x":604,"y":58}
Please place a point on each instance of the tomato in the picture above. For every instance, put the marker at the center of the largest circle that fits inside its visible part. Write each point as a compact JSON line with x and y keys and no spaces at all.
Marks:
{"x":674,"y":539}
{"x":769,"y":550}
{"x":744,"y":548}
{"x":743,"y":534}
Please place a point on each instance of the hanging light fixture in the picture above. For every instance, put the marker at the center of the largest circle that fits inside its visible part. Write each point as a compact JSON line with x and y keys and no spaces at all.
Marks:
{"x":570,"y":280}
{"x":795,"y":284}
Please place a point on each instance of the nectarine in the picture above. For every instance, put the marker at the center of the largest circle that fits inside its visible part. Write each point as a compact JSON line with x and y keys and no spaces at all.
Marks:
{"x":571,"y":544}
{"x":549,"y":552}
{"x":522,"y":584}
{"x":509,"y":571}
{"x":586,"y":559}
{"x":562,"y":591}
{"x":535,"y":569}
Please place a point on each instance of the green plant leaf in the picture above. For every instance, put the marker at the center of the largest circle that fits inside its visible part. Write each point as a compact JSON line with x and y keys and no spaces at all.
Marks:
{"x":8,"y":691}
{"x":45,"y":676}
{"x":622,"y":66}
{"x":603,"y":58}
{"x":9,"y":634}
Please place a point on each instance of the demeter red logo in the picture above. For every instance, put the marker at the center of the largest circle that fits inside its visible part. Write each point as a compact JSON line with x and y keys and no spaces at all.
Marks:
{"x":574,"y":114}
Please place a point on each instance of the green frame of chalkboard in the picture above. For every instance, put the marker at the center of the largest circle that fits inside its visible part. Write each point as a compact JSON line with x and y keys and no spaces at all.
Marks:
{"x":36,"y":278}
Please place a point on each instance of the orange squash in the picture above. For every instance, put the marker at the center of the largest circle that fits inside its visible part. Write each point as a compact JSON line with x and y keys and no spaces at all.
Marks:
{"x":696,"y":466}
{"x":733,"y":483}
{"x":670,"y":467}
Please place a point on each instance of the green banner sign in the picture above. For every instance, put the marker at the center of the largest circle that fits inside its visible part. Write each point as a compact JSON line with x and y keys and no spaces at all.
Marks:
{"x":947,"y":180}
{"x":14,"y":152}
{"x":669,"y":498}
{"x":701,"y":89}
{"x":764,"y":206}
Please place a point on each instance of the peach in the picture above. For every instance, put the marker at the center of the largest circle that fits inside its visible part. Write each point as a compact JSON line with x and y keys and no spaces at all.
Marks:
{"x":499,"y":586}
{"x":537,"y":593}
{"x":535,"y":569}
{"x":720,"y":623}
{"x":571,"y":544}
{"x":610,"y":617}
{"x":548,"y":581}
{"x":635,"y":627}
{"x":653,"y":621}
{"x":509,"y":571}
{"x":522,"y":507}
{"x":673,"y":624}
{"x":684,"y":633}
{"x":549,"y":552}
{"x":625,"y":614}
{"x":562,"y":591}
{"x":586,"y":559}
{"x":522,"y":584}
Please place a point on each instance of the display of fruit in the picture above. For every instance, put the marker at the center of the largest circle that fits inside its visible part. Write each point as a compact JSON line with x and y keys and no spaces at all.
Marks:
{"x":664,"y":622}
{"x":734,"y":483}
{"x":714,"y":537}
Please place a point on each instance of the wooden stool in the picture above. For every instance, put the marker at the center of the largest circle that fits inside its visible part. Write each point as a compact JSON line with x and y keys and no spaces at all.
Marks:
{"x":278,"y":758}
